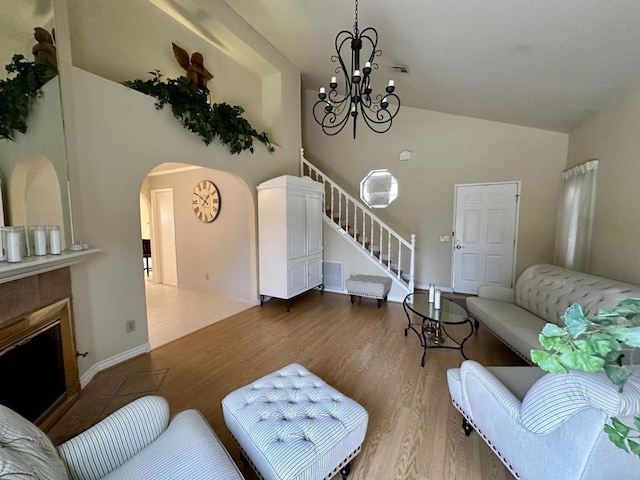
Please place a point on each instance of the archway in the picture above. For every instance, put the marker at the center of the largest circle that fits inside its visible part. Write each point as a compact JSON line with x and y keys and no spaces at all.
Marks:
{"x":216,"y":260}
{"x":34,"y":194}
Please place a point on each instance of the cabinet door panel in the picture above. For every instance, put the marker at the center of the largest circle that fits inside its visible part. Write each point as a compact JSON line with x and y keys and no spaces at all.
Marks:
{"x":314,"y":224}
{"x":296,"y":225}
{"x":315,"y":272}
{"x":297,"y":278}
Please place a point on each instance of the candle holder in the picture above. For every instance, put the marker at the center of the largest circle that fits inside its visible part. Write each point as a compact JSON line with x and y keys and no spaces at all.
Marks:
{"x":13,"y":239}
{"x":53,"y":240}
{"x":38,"y":237}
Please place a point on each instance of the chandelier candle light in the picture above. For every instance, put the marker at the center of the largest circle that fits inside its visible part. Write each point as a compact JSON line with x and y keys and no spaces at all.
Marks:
{"x":333,"y":109}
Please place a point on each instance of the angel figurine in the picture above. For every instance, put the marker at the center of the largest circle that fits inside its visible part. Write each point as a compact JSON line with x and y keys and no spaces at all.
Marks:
{"x":44,"y":52}
{"x":196,"y":72}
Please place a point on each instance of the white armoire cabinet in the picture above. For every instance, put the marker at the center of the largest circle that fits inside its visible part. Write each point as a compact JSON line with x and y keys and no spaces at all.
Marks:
{"x":289,"y":236}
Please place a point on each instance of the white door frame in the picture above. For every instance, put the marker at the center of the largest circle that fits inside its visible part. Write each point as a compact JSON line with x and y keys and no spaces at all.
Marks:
{"x":155,"y":234}
{"x":516,"y":225}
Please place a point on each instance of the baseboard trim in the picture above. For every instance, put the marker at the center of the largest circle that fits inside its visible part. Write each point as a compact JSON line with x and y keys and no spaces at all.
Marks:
{"x":112,"y":361}
{"x":335,"y":290}
{"x":420,"y":286}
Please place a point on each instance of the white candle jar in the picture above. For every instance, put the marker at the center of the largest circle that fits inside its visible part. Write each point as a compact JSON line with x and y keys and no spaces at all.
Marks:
{"x":53,"y":237}
{"x":24,"y":241}
{"x":13,"y":238}
{"x":38,"y":234}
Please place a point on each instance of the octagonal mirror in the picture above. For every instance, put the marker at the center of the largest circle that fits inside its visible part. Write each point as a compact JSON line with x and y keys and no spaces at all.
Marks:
{"x":379,"y":188}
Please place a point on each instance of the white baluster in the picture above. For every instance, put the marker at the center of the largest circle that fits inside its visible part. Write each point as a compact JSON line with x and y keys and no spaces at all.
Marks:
{"x":364,"y":229}
{"x":346,"y":215}
{"x":380,"y":242}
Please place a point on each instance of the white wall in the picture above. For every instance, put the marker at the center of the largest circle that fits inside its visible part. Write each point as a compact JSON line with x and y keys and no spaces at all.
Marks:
{"x":612,"y":136}
{"x":118,"y":137}
{"x":126,"y":39}
{"x":447,"y":150}
{"x":117,"y":151}
{"x":213,"y":257}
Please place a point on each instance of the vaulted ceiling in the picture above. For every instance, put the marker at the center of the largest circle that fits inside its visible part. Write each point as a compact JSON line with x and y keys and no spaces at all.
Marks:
{"x":547,"y":64}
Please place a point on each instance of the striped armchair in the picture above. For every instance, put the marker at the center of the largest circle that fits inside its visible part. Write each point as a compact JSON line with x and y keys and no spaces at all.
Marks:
{"x":137,"y":442}
{"x":543,"y":425}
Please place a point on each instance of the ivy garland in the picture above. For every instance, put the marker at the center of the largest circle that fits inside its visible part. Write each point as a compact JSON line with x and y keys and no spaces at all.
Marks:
{"x":190,"y":105}
{"x":18,"y":93}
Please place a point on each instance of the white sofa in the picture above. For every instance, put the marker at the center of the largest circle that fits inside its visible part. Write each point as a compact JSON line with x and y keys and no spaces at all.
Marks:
{"x":542,"y":294}
{"x":547,"y":426}
{"x":137,"y":442}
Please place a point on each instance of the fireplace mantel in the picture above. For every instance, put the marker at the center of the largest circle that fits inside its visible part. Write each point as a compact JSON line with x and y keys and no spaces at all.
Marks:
{"x":35,"y":265}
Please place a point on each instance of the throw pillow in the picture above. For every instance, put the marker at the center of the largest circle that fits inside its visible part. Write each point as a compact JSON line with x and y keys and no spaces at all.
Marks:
{"x":25,"y":451}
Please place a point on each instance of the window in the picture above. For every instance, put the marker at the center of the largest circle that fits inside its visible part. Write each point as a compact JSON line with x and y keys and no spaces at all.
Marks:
{"x":378,"y":189}
{"x":575,"y":217}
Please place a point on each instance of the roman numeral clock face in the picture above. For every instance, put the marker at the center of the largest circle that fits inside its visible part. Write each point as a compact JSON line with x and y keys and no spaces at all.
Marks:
{"x":206,"y":201}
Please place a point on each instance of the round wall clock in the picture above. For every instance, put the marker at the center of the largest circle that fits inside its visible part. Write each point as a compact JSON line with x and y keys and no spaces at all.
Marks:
{"x":206,"y":201}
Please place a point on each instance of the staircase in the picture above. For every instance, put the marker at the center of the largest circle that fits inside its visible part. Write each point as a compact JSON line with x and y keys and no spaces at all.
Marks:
{"x":390,"y":252}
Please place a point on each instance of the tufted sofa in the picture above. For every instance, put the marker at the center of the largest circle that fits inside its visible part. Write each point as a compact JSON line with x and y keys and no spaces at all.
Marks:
{"x":542,"y":294}
{"x":138,"y":441}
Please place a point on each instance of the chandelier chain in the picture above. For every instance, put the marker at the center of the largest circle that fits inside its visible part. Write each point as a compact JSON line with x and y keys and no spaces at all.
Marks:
{"x":355,"y":23}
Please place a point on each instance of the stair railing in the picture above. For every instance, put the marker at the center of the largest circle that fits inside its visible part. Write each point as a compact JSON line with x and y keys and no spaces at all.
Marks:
{"x":347,"y":215}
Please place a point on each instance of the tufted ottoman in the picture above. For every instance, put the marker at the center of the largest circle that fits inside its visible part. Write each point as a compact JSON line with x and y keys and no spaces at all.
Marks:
{"x":368,"y":286}
{"x":292,"y":425}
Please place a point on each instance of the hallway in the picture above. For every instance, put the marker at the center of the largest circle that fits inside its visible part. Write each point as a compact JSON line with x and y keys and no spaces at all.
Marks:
{"x":173,"y":313}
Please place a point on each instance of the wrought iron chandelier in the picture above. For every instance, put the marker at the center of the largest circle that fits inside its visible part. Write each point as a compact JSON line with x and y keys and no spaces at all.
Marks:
{"x":355,"y":98}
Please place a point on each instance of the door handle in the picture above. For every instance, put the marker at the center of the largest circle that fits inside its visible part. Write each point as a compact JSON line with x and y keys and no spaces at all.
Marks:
{"x":458,"y":246}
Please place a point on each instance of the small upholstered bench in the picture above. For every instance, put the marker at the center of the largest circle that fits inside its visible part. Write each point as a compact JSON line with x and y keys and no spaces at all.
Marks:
{"x":368,"y":286}
{"x":291,"y":425}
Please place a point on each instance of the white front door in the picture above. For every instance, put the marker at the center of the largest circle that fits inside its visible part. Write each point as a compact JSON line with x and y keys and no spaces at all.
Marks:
{"x":164,"y":241}
{"x":484,"y":235}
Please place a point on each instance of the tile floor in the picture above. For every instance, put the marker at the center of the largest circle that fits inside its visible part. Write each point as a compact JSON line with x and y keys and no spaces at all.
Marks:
{"x":173,"y":312}
{"x":102,"y":396}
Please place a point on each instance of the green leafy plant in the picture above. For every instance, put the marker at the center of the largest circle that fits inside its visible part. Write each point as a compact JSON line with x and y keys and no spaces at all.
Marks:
{"x":18,"y":92}
{"x":623,"y":436}
{"x":190,"y":105}
{"x":595,"y":344}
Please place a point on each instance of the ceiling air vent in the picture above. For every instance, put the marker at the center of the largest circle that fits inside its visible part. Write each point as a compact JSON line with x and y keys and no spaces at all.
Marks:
{"x":400,"y":68}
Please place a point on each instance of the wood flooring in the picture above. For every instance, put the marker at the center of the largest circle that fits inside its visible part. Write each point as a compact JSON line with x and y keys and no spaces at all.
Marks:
{"x":414,"y":432}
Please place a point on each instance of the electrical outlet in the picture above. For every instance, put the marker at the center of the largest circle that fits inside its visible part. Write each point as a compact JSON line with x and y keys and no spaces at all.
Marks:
{"x":131,"y":326}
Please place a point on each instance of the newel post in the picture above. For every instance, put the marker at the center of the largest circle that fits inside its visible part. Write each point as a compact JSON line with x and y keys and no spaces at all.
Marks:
{"x":413,"y":263}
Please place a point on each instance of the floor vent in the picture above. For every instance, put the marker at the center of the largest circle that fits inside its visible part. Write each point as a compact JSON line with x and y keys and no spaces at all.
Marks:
{"x":332,"y":275}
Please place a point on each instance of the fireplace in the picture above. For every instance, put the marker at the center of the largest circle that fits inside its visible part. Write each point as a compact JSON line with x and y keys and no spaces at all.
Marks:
{"x":38,"y":368}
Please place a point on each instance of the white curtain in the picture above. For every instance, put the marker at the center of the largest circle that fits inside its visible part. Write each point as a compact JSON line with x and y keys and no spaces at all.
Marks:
{"x":575,"y":217}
